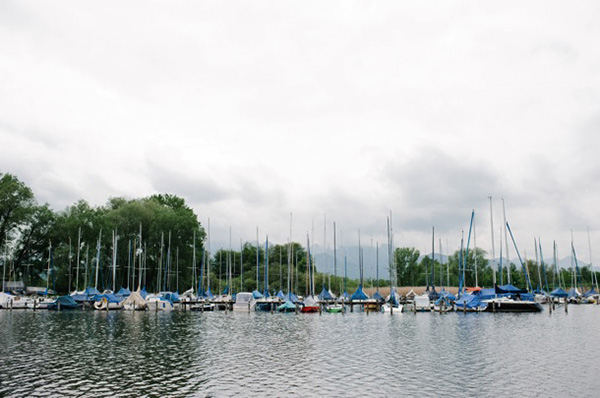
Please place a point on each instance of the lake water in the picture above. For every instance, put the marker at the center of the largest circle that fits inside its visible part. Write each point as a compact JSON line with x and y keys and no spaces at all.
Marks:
{"x":183,"y":354}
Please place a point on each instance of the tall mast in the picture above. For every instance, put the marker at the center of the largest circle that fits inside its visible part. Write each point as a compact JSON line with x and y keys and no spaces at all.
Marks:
{"x":139,"y":253}
{"x":475,"y":254}
{"x":98,"y":259}
{"x":334,"y":252}
{"x":70,"y":265}
{"x":114,"y":261}
{"x":520,"y":260}
{"x":266,"y":266}
{"x":594,"y":276}
{"x":47,"y":273}
{"x":241,"y":266}
{"x":493,"y":249}
{"x":377,"y":264}
{"x":308,"y":279}
{"x":207,"y":262}
{"x":257,"y":263}
{"x":433,"y":257}
{"x":193,"y":261}
{"x":506,"y":242}
{"x":128,"y":262}
{"x":290,"y":265}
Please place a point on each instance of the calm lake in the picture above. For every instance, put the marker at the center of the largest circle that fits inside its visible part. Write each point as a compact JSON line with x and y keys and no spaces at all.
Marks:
{"x":181,"y":354}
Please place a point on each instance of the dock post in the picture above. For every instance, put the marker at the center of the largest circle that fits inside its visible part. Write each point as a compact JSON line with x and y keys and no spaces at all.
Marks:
{"x":35,"y":304}
{"x":566,"y":305}
{"x":58,"y":305}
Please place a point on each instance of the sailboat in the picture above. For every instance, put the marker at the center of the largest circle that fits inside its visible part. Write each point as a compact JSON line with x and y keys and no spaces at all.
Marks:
{"x":310,"y":304}
{"x":508,"y":298}
{"x":392,"y":302}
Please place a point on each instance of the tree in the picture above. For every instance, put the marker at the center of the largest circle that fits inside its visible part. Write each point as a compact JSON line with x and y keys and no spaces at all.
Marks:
{"x":407,"y":265}
{"x":16,"y":206}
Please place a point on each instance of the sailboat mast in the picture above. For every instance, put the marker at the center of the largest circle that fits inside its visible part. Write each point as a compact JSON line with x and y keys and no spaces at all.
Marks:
{"x":506,"y":242}
{"x":207,"y":261}
{"x":47,"y":273}
{"x":241,"y":266}
{"x":308,"y":279}
{"x":98,"y":258}
{"x":433,"y":257}
{"x":475,"y":254}
{"x":594,"y":276}
{"x":266,"y":266}
{"x":139,"y":253}
{"x":193,"y":261}
{"x":493,"y":249}
{"x":290,"y":261}
{"x":78,"y":263}
{"x":257,"y":263}
{"x":334,"y":253}
{"x":114,"y":261}
{"x":70,"y":266}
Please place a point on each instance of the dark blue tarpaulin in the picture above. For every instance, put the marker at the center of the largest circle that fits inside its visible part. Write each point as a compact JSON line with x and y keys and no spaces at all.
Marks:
{"x":324,"y":295}
{"x":359,"y":294}
{"x":559,"y":293}
{"x":509,"y":289}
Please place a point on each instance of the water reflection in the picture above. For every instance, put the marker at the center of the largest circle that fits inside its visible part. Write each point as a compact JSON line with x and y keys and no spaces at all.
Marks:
{"x":216,"y":354}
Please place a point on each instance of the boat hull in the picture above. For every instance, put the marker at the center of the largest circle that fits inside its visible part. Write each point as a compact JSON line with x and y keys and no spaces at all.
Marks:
{"x":513,"y":306}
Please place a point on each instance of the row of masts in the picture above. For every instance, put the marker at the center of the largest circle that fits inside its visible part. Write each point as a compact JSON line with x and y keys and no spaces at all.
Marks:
{"x":136,"y":261}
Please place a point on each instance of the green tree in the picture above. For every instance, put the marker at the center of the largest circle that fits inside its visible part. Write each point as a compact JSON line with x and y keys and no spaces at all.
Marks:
{"x":17,"y":204}
{"x":407,"y":265}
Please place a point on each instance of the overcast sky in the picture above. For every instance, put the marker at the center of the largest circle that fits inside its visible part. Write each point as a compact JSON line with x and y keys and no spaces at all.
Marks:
{"x":252,"y":110}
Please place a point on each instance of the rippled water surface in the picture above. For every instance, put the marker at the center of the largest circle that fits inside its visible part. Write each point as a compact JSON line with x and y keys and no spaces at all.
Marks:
{"x":179,"y":354}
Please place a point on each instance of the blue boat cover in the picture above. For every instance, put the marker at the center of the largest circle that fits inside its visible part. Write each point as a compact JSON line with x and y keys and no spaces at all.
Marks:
{"x":589,"y":293}
{"x":443,"y":299}
{"x":80,"y":297}
{"x":65,"y":302}
{"x":291,"y":297}
{"x":470,"y":301}
{"x":433,"y":295}
{"x":377,"y":296}
{"x":111,"y":298}
{"x":288,"y":305}
{"x":256,"y":294}
{"x":171,"y":296}
{"x":573,"y":293}
{"x":559,"y":293}
{"x":209,"y":294}
{"x":91,"y":291}
{"x":324,"y":295}
{"x":486,"y":294}
{"x":359,"y":294}
{"x":280,"y":294}
{"x":124,"y":292}
{"x":143,"y":293}
{"x":345,"y":295}
{"x":510,"y":289}
{"x":447,"y":294}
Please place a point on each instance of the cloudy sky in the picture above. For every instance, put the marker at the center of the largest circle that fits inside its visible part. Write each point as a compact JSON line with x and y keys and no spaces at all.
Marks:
{"x":255,"y":110}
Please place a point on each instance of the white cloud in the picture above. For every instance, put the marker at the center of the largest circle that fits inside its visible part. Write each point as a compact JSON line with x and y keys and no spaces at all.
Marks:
{"x":254,"y":110}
